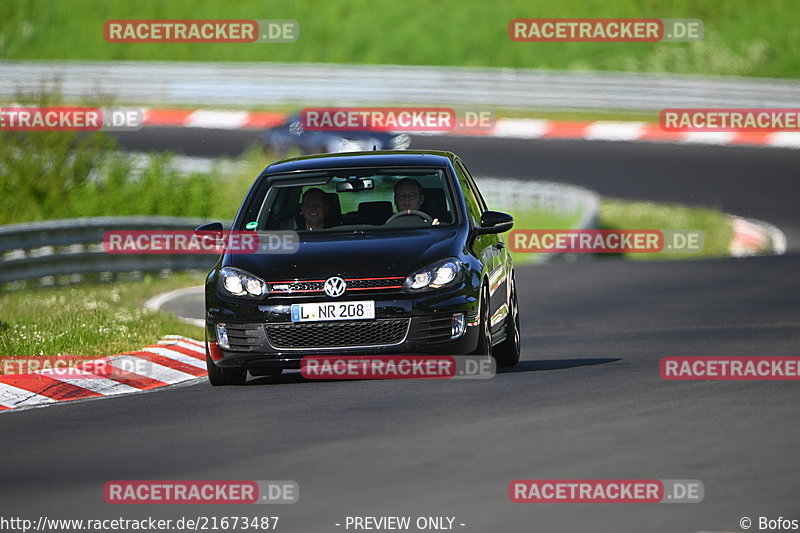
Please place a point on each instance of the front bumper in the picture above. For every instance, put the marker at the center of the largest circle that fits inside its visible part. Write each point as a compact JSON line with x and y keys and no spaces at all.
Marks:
{"x":263,"y":335}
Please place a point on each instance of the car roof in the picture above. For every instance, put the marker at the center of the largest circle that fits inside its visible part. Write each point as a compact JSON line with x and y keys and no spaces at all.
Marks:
{"x":380,"y":158}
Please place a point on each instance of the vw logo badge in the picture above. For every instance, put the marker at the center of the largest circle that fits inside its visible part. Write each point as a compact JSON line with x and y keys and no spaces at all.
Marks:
{"x":334,"y":287}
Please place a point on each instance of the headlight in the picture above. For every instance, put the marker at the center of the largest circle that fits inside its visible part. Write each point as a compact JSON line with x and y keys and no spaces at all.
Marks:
{"x":237,"y":282}
{"x":434,"y":276}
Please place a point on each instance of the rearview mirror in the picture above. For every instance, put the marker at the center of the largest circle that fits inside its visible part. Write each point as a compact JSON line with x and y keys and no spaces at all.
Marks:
{"x":494,"y":222}
{"x":352,"y":185}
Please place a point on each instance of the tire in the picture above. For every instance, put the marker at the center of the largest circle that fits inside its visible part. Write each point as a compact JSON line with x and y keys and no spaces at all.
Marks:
{"x":507,"y":352}
{"x":224,"y":376}
{"x":484,"y":346}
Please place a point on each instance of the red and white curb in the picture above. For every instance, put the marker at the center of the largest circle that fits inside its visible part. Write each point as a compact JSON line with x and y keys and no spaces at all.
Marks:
{"x":755,"y":237}
{"x":172,"y":360}
{"x":508,"y":128}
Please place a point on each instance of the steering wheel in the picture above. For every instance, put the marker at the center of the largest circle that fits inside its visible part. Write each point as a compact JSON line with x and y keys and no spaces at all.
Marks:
{"x":411,"y":213}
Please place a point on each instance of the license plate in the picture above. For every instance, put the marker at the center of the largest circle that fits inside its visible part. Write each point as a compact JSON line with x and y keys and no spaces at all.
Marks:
{"x":333,"y":311}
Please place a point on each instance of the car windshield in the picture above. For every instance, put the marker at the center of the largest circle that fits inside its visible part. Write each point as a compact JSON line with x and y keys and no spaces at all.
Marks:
{"x":342,"y":200}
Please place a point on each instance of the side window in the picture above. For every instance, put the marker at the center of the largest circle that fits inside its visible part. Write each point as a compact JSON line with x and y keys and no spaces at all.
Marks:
{"x":475,"y":191}
{"x":278,"y":208}
{"x":255,"y":205}
{"x":473,"y":206}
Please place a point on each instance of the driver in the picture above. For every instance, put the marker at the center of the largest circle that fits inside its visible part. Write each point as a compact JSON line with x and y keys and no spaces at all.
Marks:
{"x":408,"y":195}
{"x":314,"y":208}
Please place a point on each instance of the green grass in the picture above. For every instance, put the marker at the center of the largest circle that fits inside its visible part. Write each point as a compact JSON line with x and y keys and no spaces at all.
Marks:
{"x":623,"y":214}
{"x":742,"y":37}
{"x":63,"y":174}
{"x":92,"y":179}
{"x":89,"y":320}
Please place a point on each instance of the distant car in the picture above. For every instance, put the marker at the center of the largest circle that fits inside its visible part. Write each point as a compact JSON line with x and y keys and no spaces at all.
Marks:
{"x":291,"y":136}
{"x":433,"y":279}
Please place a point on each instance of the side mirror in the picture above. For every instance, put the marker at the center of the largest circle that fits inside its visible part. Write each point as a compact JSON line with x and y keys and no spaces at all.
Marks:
{"x":494,"y":222}
{"x":213,"y":228}
{"x":210,"y":234}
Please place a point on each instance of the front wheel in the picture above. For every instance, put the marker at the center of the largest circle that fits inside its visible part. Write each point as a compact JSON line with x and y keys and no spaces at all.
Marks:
{"x":507,"y":352}
{"x":224,"y":376}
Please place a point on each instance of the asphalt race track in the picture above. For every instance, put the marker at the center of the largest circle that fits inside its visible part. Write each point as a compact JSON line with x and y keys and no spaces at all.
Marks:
{"x":587,"y":401}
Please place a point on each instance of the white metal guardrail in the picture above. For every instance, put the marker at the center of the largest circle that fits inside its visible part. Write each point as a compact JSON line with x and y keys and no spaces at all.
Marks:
{"x":270,"y":84}
{"x":549,"y":196}
{"x":70,"y":250}
{"x":514,"y":196}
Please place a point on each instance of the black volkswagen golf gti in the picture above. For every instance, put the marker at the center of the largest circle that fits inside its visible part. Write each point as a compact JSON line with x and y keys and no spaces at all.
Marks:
{"x":396,"y":253}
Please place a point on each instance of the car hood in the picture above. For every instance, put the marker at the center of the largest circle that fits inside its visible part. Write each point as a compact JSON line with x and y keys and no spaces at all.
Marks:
{"x":351,"y":255}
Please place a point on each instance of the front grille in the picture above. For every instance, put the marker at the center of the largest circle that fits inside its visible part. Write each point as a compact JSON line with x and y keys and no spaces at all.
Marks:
{"x":378,"y":283}
{"x":244,"y":337}
{"x":316,"y":286}
{"x":296,"y":286}
{"x":380,"y":332}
